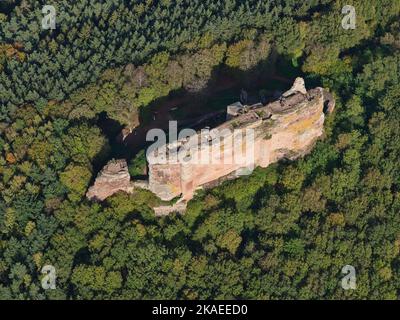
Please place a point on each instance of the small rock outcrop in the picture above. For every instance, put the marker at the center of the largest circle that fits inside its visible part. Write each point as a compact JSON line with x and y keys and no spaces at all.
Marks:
{"x":112,"y":178}
{"x":299,"y":86}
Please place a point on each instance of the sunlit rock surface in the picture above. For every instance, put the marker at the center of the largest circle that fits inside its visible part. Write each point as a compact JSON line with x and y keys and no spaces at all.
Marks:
{"x":285,"y":129}
{"x":112,"y":178}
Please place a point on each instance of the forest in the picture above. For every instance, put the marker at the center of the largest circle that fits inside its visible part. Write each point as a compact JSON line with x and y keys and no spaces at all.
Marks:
{"x":284,"y":232}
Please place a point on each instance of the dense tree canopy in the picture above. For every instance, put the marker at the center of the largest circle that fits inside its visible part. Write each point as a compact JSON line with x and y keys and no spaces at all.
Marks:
{"x":284,"y":232}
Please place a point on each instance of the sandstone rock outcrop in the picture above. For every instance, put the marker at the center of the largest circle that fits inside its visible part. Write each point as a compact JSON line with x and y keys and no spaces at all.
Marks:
{"x":112,"y":178}
{"x":299,"y":86}
{"x":285,"y":129}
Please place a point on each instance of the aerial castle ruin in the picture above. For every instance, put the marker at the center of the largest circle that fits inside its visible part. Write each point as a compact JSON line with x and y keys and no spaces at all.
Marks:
{"x":284,"y":129}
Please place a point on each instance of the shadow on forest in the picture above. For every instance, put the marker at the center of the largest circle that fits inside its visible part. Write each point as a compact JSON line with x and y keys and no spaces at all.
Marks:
{"x":7,"y":7}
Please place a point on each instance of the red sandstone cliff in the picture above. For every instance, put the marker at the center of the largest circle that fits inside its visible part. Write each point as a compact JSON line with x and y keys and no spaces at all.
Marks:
{"x":287,"y":128}
{"x":112,"y":178}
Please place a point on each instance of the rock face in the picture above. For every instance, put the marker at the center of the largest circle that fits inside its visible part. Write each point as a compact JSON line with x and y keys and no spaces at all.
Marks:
{"x":287,"y":128}
{"x":112,"y":178}
{"x":299,"y":86}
